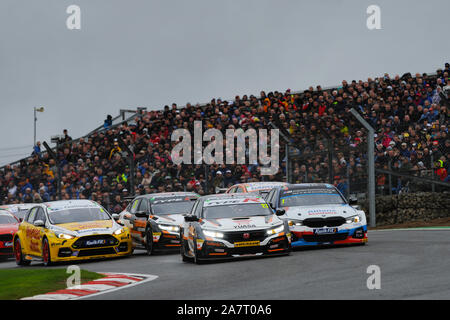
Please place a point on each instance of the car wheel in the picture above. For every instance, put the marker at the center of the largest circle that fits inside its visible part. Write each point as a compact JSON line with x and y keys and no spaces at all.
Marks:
{"x":196,"y":259}
{"x":46,"y":258}
{"x":183,"y":252}
{"x":149,"y":241}
{"x":20,"y":261}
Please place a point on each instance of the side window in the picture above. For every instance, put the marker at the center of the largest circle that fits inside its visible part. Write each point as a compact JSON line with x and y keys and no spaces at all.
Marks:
{"x":239,"y":189}
{"x":198,"y":209}
{"x":194,"y":208}
{"x":134,"y":206}
{"x":31,"y":215}
{"x":40,"y":215}
{"x":144,"y":205}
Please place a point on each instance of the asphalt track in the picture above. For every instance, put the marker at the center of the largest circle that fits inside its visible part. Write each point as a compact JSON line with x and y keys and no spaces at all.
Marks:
{"x":414,"y":264}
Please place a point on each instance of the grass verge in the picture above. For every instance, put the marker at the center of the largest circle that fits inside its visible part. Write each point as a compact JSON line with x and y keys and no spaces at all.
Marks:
{"x":25,"y":282}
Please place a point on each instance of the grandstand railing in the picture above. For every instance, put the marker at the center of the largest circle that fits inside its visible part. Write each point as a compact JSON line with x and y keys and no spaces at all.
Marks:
{"x":116,"y":122}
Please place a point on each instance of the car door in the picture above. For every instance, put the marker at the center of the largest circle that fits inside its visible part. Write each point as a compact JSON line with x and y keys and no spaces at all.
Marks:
{"x":27,"y":228}
{"x":129,"y":220}
{"x":35,"y":233}
{"x":190,"y":229}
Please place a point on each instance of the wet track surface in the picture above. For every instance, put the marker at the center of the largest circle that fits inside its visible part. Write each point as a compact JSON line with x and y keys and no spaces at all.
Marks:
{"x":414,"y":265}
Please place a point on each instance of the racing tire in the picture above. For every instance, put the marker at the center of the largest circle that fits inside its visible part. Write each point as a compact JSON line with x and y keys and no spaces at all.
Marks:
{"x":20,"y":261}
{"x":149,"y":241}
{"x":183,"y":253}
{"x":46,"y":256}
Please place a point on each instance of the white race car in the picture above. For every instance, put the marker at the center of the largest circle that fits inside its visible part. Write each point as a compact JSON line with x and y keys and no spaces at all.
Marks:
{"x":318,"y":214}
{"x":232,"y":225}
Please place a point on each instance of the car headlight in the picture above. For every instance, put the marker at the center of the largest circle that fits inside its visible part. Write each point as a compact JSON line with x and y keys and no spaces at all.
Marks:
{"x":168,"y":227}
{"x":119,"y":231}
{"x":64,"y":236}
{"x":213,"y":234}
{"x":275,"y":230}
{"x":292,"y":223}
{"x":353,"y":219}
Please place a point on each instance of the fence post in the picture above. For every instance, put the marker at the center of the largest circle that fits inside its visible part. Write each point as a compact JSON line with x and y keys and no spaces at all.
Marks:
{"x":390,"y":177}
{"x":433,"y":187}
{"x":371,"y":165}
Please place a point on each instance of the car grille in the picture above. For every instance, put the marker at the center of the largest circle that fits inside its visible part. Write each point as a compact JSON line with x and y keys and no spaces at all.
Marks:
{"x":6,"y":250}
{"x":83,"y":242}
{"x":96,"y":252}
{"x":325,"y":237}
{"x":324,"y":222}
{"x":238,"y":236}
{"x":6,"y":237}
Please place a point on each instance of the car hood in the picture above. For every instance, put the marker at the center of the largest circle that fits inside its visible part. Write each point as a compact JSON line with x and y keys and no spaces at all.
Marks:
{"x":320,"y":211}
{"x":83,"y":228}
{"x":175,"y":219}
{"x":8,"y":228}
{"x":241,"y":224}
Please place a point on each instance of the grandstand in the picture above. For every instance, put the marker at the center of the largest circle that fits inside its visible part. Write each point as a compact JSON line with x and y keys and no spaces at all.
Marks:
{"x":324,"y":143}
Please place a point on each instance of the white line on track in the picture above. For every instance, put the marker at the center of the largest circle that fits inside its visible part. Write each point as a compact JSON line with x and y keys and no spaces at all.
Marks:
{"x":413,"y":229}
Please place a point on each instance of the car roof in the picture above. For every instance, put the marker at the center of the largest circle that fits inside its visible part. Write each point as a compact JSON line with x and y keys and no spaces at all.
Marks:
{"x":4,"y":212}
{"x":169,"y":194}
{"x":257,"y":186}
{"x":299,"y":186}
{"x":223,"y":196}
{"x":70,"y":204}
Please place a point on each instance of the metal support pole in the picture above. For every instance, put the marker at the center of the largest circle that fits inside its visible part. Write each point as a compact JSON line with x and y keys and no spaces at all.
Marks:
{"x":433,"y":186}
{"x":35,"y":118}
{"x":330,"y":161}
{"x":287,"y":163}
{"x":390,"y":177}
{"x":371,"y":165}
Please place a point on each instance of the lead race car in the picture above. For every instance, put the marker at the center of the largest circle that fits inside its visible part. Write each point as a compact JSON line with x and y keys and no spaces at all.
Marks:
{"x":318,"y":214}
{"x":230,"y":226}
{"x":154,"y":219}
{"x":69,"y":230}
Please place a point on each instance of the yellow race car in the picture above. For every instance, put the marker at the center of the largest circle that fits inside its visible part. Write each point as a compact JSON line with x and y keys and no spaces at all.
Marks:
{"x":69,"y":230}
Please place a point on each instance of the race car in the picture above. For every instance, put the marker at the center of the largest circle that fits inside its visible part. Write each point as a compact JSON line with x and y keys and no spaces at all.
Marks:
{"x":9,"y":225}
{"x":154,"y":219}
{"x":261,"y":188}
{"x":318,"y":214}
{"x":231,"y":226}
{"x":69,"y":230}
{"x":18,"y":210}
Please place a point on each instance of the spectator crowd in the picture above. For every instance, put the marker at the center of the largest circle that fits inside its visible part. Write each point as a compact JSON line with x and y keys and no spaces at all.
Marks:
{"x":409,"y":114}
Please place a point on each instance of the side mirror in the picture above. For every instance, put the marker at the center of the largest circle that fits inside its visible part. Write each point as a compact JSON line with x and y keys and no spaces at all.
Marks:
{"x":20,"y":219}
{"x":280,"y":212}
{"x":38,"y":223}
{"x":141,"y":214}
{"x":191,"y":218}
{"x":353,"y":202}
{"x":115,"y":216}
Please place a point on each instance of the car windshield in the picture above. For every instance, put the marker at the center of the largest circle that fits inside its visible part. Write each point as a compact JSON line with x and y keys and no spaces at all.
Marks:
{"x":7,"y":219}
{"x":236,"y":211}
{"x":78,"y":215}
{"x":310,"y":199}
{"x":176,"y":207}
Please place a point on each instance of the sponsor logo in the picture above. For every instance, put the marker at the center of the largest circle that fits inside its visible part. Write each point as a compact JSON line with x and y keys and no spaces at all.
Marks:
{"x":244,"y":226}
{"x":246,"y":236}
{"x":325,"y":231}
{"x":246,"y":244}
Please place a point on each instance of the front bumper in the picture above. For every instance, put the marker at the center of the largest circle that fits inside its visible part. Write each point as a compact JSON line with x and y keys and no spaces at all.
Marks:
{"x":165,"y":240}
{"x":6,"y":246}
{"x":213,"y":248}
{"x":304,"y":236}
{"x":71,"y":250}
